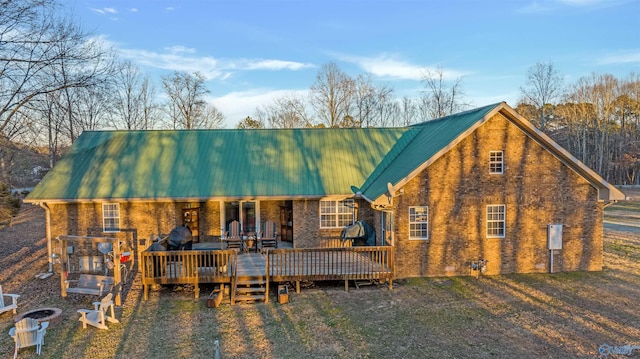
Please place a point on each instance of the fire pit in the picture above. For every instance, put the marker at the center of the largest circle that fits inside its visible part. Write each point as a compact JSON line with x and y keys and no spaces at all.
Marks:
{"x":51,"y":315}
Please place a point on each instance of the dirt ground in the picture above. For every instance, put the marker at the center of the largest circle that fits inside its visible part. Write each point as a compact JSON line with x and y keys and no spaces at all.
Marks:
{"x":563,"y":315}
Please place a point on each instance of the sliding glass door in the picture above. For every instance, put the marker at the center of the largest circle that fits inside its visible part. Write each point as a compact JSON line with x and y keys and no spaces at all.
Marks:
{"x":245,"y":212}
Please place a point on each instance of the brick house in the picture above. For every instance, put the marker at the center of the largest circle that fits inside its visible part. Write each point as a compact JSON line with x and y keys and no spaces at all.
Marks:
{"x":482,"y":184}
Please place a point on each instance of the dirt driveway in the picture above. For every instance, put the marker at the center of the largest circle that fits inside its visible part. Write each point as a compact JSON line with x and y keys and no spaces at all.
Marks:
{"x":564,"y":315}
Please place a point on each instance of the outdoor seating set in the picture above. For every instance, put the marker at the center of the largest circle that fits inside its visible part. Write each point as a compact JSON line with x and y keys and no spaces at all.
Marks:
{"x":30,"y":332}
{"x":236,"y":239}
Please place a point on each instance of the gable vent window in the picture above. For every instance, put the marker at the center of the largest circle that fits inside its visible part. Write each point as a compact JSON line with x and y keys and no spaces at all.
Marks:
{"x":111,"y":217}
{"x":496,"y":162}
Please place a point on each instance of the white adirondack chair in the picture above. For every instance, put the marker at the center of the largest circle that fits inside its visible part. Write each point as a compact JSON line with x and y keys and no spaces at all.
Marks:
{"x":28,"y":332}
{"x":5,"y":306}
{"x":99,"y":316}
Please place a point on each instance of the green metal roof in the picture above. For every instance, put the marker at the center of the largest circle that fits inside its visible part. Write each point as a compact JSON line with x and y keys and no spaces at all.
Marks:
{"x":422,"y":142}
{"x":216,"y":163}
{"x":271,"y":163}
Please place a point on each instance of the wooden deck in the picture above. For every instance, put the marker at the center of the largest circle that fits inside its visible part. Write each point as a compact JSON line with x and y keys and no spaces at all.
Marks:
{"x":276,"y":265}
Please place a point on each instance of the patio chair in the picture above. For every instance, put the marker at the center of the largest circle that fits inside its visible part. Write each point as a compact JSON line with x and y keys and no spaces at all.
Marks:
{"x":28,"y":332}
{"x":5,"y":307}
{"x":233,"y":237}
{"x":98,"y":317}
{"x":269,"y":237}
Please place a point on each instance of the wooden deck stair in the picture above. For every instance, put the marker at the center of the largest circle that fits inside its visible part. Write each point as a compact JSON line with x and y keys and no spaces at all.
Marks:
{"x":250,"y":281}
{"x":250,"y":289}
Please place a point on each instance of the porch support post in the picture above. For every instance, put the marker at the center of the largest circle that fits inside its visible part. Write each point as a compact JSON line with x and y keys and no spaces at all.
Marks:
{"x":346,"y":285}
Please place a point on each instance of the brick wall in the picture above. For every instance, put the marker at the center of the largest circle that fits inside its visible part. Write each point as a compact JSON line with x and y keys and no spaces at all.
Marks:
{"x":306,"y":224}
{"x":537,"y":190}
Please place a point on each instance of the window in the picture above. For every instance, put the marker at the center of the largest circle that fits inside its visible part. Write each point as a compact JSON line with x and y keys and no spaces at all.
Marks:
{"x":111,"y":217}
{"x":496,"y":161}
{"x":418,"y":222}
{"x":496,"y":221}
{"x":336,"y":214}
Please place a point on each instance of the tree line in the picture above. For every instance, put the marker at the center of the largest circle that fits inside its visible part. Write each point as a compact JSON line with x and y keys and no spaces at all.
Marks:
{"x":57,"y":81}
{"x":596,"y":118}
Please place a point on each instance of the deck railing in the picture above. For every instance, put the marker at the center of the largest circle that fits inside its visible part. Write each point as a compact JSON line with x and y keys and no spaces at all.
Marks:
{"x":347,"y":263}
{"x":298,"y":264}
{"x":187,"y":267}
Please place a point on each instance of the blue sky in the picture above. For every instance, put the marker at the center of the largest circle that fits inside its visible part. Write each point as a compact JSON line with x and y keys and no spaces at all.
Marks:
{"x":254,"y":51}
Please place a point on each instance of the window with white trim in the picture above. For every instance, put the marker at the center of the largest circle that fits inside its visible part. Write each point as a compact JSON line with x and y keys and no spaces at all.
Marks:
{"x":336,"y":214}
{"x":496,"y":162}
{"x":496,"y":223}
{"x":111,"y":217}
{"x":419,"y":222}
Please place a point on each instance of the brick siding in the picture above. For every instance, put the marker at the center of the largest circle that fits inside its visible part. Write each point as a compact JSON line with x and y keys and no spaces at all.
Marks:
{"x":537,"y":190}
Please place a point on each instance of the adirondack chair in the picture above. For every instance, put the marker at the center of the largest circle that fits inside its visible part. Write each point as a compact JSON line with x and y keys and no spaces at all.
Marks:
{"x":5,"y":306}
{"x":28,"y":332}
{"x":269,"y":236}
{"x":98,"y":316}
{"x":233,"y":237}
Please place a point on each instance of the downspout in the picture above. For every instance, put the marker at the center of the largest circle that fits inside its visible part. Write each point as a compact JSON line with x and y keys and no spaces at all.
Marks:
{"x":47,"y":212}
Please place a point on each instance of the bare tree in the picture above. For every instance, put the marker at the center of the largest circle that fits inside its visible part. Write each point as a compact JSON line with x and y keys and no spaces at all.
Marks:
{"x":134,"y":99}
{"x":441,"y":97}
{"x":41,"y":54}
{"x":365,"y":101}
{"x":186,"y":107}
{"x":332,"y":95}
{"x":288,"y":111}
{"x":386,"y":107}
{"x":213,"y":117}
{"x":35,"y":45}
{"x":544,"y":87}
{"x":408,"y":111}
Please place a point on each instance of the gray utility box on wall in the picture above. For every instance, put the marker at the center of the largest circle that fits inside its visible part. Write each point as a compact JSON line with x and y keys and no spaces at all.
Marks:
{"x":554,"y":236}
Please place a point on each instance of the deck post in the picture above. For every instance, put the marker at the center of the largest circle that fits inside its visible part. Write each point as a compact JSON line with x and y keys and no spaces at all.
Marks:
{"x":64,"y":256}
{"x":346,"y":285}
{"x":266,"y":276}
{"x":297,"y":287}
{"x":145,"y":292}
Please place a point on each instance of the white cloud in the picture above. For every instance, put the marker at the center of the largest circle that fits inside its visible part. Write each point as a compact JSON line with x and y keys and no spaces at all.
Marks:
{"x":180,"y":49}
{"x":236,"y":106}
{"x":266,"y":64}
{"x":543,"y":6}
{"x":535,"y":7}
{"x":105,"y":10}
{"x":181,"y":58}
{"x":586,"y":2}
{"x":626,"y":57}
{"x":208,"y":66}
{"x":390,"y":66}
{"x":133,"y":9}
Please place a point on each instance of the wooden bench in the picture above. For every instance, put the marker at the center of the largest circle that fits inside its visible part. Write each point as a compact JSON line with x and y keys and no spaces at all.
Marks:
{"x":90,"y":284}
